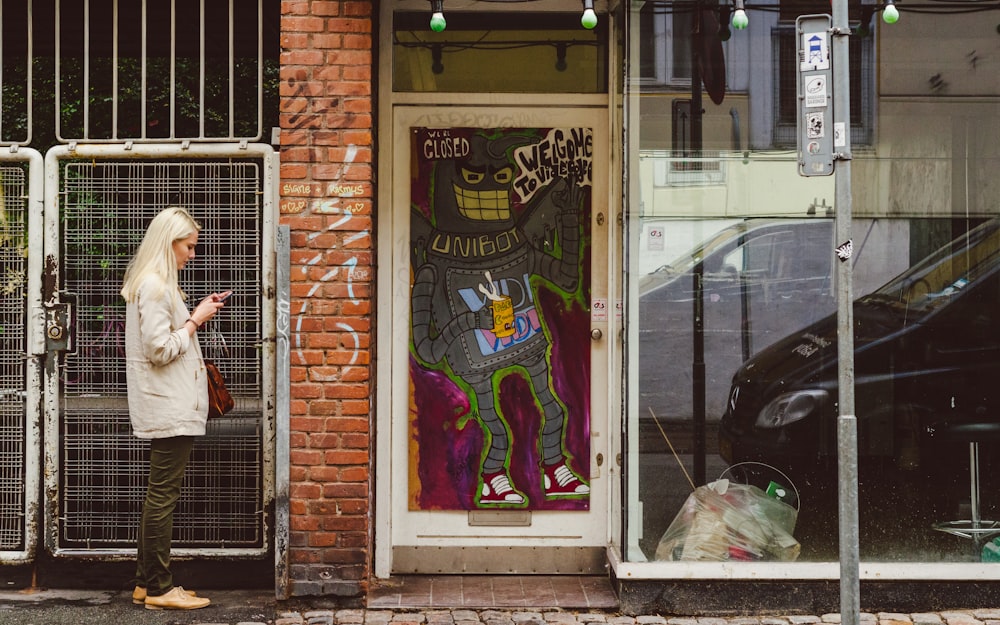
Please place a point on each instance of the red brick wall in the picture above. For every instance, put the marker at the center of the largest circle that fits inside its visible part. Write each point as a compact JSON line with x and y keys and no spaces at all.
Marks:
{"x":326,"y":200}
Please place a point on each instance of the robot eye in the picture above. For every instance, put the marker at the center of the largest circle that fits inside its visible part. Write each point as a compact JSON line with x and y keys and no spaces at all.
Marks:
{"x":504,"y":176}
{"x":472,"y":177}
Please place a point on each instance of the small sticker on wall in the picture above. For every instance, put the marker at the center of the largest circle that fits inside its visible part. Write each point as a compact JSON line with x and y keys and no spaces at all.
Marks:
{"x":845,"y":250}
{"x":815,"y":125}
{"x":817,"y":52}
{"x":599,"y":309}
{"x":839,"y":134}
{"x":815,"y":91}
{"x":656,"y":239}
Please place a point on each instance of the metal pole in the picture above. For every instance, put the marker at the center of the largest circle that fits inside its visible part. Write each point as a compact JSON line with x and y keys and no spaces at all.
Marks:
{"x":746,"y":330}
{"x":696,"y":78}
{"x":698,"y":366}
{"x":847,"y":428}
{"x":282,"y":433}
{"x":698,"y":375}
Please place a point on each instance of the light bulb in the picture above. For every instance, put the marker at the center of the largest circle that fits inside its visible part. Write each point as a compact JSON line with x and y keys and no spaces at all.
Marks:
{"x":740,"y":20}
{"x":438,"y":22}
{"x":589,"y":19}
{"x":890,"y":14}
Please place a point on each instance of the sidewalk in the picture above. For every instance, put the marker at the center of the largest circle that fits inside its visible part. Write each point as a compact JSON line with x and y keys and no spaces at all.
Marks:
{"x":75,"y":607}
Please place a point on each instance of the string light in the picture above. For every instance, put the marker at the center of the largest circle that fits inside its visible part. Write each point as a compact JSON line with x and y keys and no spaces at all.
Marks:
{"x":890,"y":14}
{"x":438,"y":22}
{"x":589,"y":19}
{"x":740,"y":20}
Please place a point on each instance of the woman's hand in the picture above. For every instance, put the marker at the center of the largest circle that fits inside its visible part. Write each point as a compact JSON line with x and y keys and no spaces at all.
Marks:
{"x":207,"y":308}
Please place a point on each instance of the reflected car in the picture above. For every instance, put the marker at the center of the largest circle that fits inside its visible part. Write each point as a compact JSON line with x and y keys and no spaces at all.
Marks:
{"x":760,"y":278}
{"x":785,"y":255}
{"x":926,"y":349}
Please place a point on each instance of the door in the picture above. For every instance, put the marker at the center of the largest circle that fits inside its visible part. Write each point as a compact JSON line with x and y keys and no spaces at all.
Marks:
{"x":98,"y":201}
{"x":499,"y":224}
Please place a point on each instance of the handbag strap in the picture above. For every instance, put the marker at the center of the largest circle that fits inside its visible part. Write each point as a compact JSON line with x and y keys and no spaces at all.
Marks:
{"x":215,"y":344}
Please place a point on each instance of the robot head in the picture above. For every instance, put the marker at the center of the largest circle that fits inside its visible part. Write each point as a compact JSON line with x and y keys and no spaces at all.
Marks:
{"x":482,"y":186}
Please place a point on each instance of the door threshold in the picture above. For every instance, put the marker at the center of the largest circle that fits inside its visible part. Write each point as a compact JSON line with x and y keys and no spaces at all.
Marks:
{"x":522,"y":592}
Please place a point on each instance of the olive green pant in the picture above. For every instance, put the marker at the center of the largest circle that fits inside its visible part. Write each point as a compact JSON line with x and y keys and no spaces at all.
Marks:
{"x":168,"y":457}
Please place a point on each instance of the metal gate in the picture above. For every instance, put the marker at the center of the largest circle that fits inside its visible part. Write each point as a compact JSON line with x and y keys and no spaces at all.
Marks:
{"x":21,"y":346}
{"x":148,"y":104}
{"x":98,"y":202}
{"x":62,"y":345}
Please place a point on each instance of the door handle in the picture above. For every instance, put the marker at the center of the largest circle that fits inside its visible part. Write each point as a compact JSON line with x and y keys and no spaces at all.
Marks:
{"x":596,"y":334}
{"x":58,"y":323}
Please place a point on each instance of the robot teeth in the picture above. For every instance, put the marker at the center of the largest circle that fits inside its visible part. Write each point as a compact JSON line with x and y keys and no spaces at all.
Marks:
{"x":491,"y":205}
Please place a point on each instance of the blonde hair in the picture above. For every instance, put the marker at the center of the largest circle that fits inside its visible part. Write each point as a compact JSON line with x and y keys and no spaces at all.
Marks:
{"x":155,"y":255}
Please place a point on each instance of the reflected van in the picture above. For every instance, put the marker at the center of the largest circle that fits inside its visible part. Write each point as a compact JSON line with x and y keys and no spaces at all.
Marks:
{"x":760,"y":279}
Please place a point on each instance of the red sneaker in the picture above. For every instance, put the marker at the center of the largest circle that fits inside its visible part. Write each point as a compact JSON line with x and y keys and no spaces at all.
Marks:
{"x":560,"y":481}
{"x":497,"y":489}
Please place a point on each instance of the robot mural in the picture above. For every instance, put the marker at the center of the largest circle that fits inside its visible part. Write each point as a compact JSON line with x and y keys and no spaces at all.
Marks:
{"x":499,"y":372}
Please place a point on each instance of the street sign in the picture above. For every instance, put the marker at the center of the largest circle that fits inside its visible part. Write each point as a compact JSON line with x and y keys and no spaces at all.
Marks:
{"x":814,"y":86}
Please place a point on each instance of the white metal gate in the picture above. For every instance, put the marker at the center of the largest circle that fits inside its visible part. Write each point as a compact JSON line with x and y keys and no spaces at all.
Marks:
{"x":21,"y":349}
{"x":148,"y":104}
{"x":98,"y":202}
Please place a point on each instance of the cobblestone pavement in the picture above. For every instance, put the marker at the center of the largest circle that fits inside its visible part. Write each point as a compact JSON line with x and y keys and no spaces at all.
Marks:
{"x":69,"y":607}
{"x":501,"y":617}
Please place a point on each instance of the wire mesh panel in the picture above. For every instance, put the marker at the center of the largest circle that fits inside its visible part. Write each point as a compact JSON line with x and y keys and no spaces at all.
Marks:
{"x":105,"y":207}
{"x":13,"y":409}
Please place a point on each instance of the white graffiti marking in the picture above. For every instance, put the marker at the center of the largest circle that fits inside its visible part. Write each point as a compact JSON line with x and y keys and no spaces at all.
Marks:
{"x":298,"y":337}
{"x":352,"y":265}
{"x":281,"y":323}
{"x":312,"y":261}
{"x":357,"y":236}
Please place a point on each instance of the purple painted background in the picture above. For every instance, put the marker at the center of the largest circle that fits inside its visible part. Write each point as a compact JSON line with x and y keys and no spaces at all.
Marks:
{"x":446,"y":445}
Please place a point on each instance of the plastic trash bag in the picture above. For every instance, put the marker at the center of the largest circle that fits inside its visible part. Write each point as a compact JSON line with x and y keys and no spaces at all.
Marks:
{"x":726,"y":520}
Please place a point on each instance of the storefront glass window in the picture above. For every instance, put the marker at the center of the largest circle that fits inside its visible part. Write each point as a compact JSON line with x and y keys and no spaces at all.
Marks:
{"x":732,"y":284}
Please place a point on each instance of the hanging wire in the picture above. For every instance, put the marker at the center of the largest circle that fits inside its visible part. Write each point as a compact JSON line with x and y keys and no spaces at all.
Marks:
{"x":943,"y":7}
{"x":482,"y":44}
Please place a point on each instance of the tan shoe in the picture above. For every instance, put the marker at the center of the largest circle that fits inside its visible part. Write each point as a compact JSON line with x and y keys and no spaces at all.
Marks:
{"x":139,"y":595}
{"x":176,"y":599}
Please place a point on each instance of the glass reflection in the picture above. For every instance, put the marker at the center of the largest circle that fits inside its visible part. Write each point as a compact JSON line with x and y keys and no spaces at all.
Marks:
{"x":733,"y":286}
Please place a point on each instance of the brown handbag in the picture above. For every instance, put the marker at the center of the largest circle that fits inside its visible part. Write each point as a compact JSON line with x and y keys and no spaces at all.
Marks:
{"x":219,"y":400}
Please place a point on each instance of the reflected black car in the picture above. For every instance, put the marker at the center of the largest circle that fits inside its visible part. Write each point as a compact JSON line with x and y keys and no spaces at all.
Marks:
{"x":926,"y":350}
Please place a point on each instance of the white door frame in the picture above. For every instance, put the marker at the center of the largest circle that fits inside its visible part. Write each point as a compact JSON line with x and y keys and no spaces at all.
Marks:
{"x":560,"y":531}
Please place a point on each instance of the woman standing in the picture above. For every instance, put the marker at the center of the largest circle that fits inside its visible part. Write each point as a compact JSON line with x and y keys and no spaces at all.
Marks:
{"x":167,"y":391}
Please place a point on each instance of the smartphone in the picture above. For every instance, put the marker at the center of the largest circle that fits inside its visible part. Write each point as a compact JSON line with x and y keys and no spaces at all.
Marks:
{"x":225,"y":296}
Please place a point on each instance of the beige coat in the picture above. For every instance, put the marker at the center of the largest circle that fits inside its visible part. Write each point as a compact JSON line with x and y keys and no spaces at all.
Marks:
{"x":167,"y":386}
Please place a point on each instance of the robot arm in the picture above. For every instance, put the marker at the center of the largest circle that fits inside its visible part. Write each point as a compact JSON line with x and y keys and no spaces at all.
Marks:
{"x":564,"y":271}
{"x":429,"y":348}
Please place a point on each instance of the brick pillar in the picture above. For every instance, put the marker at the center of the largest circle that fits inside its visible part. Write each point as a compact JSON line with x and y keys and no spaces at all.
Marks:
{"x":326,"y":200}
